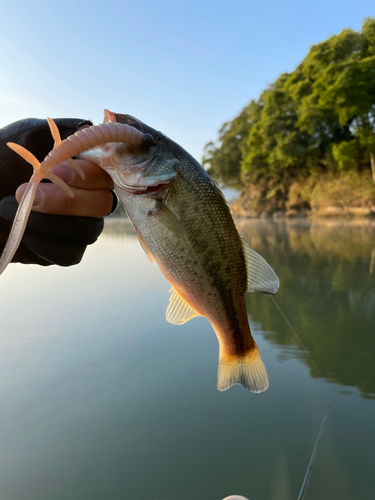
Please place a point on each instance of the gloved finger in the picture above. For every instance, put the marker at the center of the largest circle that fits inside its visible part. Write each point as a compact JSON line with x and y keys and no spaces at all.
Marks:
{"x":50,"y":239}
{"x":50,"y":199}
{"x":95,"y":177}
{"x":34,"y":135}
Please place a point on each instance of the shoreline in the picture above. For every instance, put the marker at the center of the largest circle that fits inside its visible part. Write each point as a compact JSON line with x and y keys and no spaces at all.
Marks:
{"x":330,"y":212}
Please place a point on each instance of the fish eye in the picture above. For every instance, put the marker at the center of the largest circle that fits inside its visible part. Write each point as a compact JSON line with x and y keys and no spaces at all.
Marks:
{"x":148,"y":141}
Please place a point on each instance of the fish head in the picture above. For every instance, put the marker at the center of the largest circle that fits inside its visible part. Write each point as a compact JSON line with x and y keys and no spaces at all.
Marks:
{"x":140,"y":169}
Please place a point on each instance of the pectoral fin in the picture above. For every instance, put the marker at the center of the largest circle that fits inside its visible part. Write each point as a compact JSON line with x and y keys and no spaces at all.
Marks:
{"x":178,"y":310}
{"x":145,"y":247}
{"x":166,"y":217}
{"x":260,"y":275}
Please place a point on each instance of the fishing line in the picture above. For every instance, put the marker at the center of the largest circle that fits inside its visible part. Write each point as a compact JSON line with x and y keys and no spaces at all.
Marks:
{"x":314,"y":452}
{"x":297,"y":336}
{"x":313,"y":455}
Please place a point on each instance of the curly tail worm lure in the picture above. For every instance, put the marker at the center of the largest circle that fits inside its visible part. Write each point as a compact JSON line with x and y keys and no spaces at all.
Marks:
{"x":81,"y":141}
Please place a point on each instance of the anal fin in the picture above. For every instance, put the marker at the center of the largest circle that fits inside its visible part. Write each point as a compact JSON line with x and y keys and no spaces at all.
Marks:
{"x":178,"y":310}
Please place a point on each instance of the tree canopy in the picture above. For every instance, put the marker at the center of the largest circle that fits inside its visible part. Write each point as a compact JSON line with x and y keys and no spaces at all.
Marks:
{"x":320,"y":117}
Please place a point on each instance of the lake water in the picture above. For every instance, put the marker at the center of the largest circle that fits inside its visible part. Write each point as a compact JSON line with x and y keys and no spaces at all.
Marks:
{"x":101,"y":398}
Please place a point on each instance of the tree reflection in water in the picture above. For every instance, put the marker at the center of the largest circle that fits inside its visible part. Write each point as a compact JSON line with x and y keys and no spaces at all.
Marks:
{"x":327,"y":275}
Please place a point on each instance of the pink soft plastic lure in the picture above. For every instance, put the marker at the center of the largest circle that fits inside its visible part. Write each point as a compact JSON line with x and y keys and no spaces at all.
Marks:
{"x":81,"y":141}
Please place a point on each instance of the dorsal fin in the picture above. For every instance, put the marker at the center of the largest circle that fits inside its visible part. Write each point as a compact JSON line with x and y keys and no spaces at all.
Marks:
{"x":260,"y":275}
{"x":178,"y":310}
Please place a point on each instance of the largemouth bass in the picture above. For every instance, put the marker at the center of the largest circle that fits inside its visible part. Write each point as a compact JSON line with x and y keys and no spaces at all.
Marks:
{"x":184,"y":224}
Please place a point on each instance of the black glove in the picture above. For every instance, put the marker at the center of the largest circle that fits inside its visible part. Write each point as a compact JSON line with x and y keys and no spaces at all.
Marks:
{"x":48,"y":239}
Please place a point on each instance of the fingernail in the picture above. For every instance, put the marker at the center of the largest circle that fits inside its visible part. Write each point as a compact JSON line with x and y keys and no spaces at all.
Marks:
{"x":64,"y":172}
{"x":39,"y":198}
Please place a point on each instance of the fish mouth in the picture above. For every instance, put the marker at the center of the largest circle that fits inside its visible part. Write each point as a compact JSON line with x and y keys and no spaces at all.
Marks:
{"x":149,"y":190}
{"x":145,"y":190}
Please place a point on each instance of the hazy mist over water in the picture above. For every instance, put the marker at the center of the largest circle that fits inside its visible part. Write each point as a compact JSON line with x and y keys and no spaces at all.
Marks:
{"x":102,"y":398}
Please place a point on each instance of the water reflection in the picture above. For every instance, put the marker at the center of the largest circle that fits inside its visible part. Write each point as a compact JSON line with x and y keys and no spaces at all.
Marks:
{"x":102,"y":398}
{"x":326,"y":270}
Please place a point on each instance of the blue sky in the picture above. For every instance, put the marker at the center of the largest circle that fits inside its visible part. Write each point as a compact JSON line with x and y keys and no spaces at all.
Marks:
{"x":182,"y":67}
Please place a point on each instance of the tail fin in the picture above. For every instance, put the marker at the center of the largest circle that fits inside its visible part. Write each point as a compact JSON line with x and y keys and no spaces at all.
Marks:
{"x":248,"y":370}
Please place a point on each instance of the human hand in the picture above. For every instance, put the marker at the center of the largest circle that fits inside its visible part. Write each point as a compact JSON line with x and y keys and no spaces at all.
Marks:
{"x":58,"y":238}
{"x":92,"y":195}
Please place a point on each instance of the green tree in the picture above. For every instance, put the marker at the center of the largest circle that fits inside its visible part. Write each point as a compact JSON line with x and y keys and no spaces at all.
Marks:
{"x":345,"y":88}
{"x":319,"y":117}
{"x":274,"y":145}
{"x":223,"y":160}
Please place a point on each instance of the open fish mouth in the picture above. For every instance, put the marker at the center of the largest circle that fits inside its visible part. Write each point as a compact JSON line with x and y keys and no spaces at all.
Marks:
{"x":145,"y":190}
{"x":150,"y":190}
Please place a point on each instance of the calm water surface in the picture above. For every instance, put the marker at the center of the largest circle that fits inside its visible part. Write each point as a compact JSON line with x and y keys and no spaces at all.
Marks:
{"x":101,"y":398}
